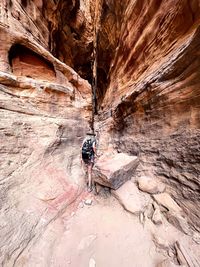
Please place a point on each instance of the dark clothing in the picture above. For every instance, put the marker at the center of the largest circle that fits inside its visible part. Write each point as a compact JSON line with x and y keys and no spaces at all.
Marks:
{"x":88,"y":159}
{"x":88,"y":152}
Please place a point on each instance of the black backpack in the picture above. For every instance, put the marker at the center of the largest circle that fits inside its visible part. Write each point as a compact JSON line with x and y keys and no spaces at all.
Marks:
{"x":87,"y":149}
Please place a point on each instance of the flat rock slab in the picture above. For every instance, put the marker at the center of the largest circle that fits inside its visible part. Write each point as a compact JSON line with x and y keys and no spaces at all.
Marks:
{"x":131,"y":198}
{"x":114,"y":170}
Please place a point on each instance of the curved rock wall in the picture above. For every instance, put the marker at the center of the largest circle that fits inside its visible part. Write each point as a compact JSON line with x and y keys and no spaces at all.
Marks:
{"x":71,"y":25}
{"x":148,"y":66}
{"x":151,"y":105}
{"x":45,"y":110}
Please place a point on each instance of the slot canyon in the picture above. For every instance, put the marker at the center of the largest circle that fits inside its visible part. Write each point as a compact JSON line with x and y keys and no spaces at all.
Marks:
{"x":130,"y":71}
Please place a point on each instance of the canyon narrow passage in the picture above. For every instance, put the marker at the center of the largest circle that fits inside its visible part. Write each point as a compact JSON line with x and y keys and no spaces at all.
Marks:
{"x":130,"y":71}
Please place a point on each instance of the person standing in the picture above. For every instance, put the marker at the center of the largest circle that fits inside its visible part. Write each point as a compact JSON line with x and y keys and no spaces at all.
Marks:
{"x":88,"y":157}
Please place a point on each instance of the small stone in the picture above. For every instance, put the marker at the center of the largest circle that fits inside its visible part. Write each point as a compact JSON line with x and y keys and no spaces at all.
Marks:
{"x":81,"y":205}
{"x":92,"y":263}
{"x":98,"y":188}
{"x":157,"y":217}
{"x":142,"y":218}
{"x":88,"y":202}
{"x":149,"y":211}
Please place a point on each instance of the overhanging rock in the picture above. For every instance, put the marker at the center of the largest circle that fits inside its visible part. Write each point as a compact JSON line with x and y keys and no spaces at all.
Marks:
{"x":114,"y":170}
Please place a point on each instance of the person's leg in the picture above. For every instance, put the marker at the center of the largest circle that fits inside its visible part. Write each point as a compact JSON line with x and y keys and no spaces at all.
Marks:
{"x":89,"y":176}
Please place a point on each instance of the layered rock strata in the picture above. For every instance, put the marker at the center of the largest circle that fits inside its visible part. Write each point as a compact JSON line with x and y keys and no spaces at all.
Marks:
{"x":45,"y":110}
{"x":151,"y":103}
{"x":147,"y":61}
{"x":71,"y":32}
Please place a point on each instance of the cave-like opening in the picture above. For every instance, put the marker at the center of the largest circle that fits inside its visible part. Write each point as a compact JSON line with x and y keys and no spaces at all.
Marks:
{"x":25,"y":62}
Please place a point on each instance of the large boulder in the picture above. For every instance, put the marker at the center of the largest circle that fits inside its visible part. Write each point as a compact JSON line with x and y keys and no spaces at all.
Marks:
{"x":150,"y":185}
{"x":114,"y":170}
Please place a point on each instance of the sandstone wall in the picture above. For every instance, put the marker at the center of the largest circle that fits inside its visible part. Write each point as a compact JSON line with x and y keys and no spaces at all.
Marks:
{"x":148,"y":64}
{"x":71,"y":25}
{"x":45,"y":110}
{"x":150,"y":105}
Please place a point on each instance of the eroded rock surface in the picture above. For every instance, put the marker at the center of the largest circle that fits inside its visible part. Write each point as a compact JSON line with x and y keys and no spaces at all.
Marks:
{"x":45,"y":110}
{"x":151,"y":102}
{"x":147,"y":58}
{"x":167,"y":201}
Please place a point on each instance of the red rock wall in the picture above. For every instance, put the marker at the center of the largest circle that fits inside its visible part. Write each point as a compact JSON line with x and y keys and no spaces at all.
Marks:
{"x":150,"y":103}
{"x":148,"y":64}
{"x":71,"y":25}
{"x":45,"y":109}
{"x":26,"y":63}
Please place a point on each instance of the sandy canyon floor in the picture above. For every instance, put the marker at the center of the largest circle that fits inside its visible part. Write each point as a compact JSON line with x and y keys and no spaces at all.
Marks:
{"x":97,"y":231}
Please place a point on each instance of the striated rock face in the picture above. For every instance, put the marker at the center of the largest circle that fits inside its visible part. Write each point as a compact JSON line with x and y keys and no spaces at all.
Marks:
{"x":45,"y":110}
{"x":150,"y":102}
{"x":71,"y":30}
{"x":147,"y":60}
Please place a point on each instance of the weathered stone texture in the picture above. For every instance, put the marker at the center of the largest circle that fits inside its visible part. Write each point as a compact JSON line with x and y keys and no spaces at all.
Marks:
{"x":148,"y":98}
{"x":151,"y":103}
{"x":131,"y":199}
{"x":45,"y":110}
{"x":71,"y":25}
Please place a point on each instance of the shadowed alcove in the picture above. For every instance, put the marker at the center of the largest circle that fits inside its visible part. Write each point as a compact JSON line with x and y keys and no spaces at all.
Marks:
{"x":25,"y":62}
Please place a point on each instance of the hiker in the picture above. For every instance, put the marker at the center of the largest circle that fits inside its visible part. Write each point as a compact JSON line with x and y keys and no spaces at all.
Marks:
{"x":88,"y":157}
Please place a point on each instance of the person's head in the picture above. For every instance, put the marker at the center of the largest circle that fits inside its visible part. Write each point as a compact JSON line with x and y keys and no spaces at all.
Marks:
{"x":90,"y":135}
